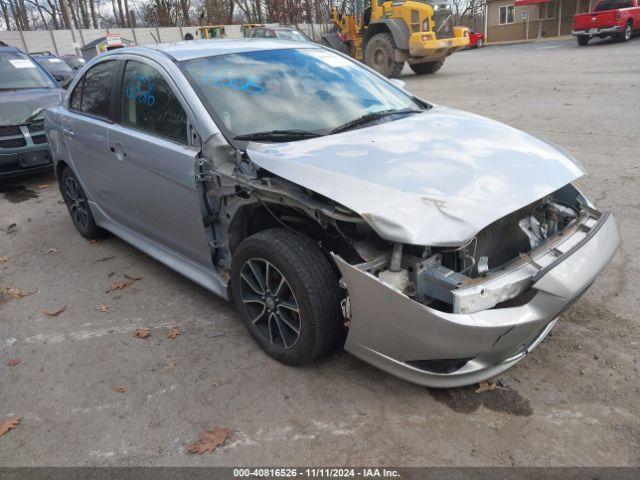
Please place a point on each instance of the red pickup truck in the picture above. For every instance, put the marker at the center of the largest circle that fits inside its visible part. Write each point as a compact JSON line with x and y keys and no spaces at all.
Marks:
{"x":610,"y":18}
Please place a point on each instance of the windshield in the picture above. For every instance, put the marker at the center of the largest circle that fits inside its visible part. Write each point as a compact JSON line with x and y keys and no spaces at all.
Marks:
{"x":310,"y":89}
{"x":18,"y":71}
{"x":290,"y":35}
{"x":53,"y":64}
{"x":612,"y":5}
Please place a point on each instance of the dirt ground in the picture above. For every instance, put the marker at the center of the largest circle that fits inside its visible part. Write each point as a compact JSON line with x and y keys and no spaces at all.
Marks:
{"x":574,"y":401}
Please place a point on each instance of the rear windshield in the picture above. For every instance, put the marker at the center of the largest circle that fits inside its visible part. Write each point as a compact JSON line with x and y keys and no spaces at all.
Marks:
{"x":54,"y":64}
{"x":19,"y":72}
{"x":613,"y":5}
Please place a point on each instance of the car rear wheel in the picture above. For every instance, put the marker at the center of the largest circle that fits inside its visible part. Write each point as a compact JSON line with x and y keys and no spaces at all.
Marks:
{"x":379,"y":55}
{"x":583,"y":40}
{"x":78,"y":206}
{"x":426,"y":68}
{"x":288,"y":295}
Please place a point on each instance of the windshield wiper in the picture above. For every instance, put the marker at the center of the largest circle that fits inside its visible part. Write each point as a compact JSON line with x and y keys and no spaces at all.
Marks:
{"x":278,"y":135}
{"x":370,"y":117}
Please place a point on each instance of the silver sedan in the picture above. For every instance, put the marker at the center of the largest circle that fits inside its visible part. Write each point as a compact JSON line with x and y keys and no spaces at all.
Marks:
{"x":333,"y":207}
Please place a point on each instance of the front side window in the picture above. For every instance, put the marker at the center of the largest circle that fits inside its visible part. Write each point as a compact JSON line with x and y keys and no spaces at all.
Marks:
{"x":20,"y":72}
{"x":149,"y":104}
{"x":92,"y":94}
{"x":507,"y":14}
{"x":309,"y":89}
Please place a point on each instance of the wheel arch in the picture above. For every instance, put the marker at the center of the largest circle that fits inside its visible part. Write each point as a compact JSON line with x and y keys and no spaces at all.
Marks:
{"x":396,"y":27}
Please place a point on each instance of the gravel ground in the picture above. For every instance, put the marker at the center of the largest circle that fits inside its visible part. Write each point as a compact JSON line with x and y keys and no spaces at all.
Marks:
{"x":574,"y":401}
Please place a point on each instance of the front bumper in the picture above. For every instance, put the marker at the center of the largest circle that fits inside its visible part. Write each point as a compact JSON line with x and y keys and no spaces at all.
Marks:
{"x":20,"y":161}
{"x":395,"y":333}
{"x":423,"y":45}
{"x":597,"y":31}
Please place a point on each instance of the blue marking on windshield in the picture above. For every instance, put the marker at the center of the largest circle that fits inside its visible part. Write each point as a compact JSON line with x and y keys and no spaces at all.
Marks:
{"x":241,"y":84}
{"x":140,"y":88}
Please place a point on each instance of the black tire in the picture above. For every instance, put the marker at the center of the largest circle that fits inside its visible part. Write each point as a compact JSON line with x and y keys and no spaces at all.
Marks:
{"x":583,"y":40}
{"x":312,"y":287}
{"x":379,"y":54}
{"x":426,"y":68}
{"x":78,"y":206}
{"x":480,"y":43}
{"x":625,"y":36}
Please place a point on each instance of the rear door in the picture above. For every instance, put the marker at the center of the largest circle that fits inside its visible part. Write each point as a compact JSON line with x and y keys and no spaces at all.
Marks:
{"x":85,"y":132}
{"x":156,"y":180}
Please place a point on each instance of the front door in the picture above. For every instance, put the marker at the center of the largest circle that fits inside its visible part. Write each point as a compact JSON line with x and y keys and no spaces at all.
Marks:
{"x":156,"y":181}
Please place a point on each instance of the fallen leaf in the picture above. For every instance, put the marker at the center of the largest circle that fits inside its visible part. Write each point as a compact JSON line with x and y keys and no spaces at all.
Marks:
{"x":103,"y":308}
{"x":13,"y":362}
{"x":173,"y":333}
{"x":104,"y":259}
{"x":122,"y":284}
{"x":4,"y":259}
{"x":141,"y":333}
{"x":93,"y":242}
{"x":172,"y":364}
{"x":119,"y":389}
{"x":8,"y":424}
{"x":54,"y":313}
{"x":485,"y":387}
{"x":11,"y":228}
{"x":53,"y":250}
{"x":43,"y":186}
{"x":210,"y":440}
{"x":14,"y":292}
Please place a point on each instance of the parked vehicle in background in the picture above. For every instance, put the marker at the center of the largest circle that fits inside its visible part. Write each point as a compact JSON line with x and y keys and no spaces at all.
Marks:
{"x":386,"y":34}
{"x":74,"y":62}
{"x":211,"y":31}
{"x":247,"y":27}
{"x":58,"y":68}
{"x":476,"y":39}
{"x":283,"y":33}
{"x":610,"y":18}
{"x":329,"y":203}
{"x":26,"y":90}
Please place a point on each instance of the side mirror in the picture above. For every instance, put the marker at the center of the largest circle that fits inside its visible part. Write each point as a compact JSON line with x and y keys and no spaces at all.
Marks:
{"x":397,"y":82}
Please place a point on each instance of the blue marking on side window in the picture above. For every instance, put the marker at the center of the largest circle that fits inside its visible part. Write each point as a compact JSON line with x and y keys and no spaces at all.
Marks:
{"x":241,"y":84}
{"x":140,"y":88}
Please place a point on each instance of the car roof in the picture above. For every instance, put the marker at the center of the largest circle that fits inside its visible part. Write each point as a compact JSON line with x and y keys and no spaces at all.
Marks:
{"x":10,"y":49}
{"x":191,"y":49}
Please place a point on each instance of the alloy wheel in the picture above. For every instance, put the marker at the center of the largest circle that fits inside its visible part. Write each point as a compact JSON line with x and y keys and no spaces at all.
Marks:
{"x":269,"y":299}
{"x":77,"y":203}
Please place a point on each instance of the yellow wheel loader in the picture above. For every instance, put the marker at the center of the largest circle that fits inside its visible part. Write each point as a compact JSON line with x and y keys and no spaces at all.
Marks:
{"x":386,"y":34}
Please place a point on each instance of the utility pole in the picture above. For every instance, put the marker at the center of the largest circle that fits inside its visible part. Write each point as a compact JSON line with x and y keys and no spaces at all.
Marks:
{"x":64,"y":6}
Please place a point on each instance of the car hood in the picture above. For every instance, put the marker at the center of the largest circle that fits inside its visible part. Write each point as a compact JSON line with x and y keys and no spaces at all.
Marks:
{"x":24,"y":106}
{"x":435,"y":178}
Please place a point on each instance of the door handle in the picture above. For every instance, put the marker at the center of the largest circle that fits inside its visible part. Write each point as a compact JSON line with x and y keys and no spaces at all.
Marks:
{"x":117,"y":149}
{"x":67,"y":133}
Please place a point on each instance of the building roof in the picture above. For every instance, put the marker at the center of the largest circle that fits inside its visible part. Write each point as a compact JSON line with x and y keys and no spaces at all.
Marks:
{"x":94,"y":43}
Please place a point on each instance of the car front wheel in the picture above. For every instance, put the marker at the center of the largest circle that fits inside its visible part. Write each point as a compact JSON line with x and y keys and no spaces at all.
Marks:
{"x":288,"y":295}
{"x":583,"y":40}
{"x":479,"y":43}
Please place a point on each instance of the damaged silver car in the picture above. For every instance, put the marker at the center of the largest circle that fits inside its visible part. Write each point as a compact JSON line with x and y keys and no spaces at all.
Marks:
{"x":331,"y":205}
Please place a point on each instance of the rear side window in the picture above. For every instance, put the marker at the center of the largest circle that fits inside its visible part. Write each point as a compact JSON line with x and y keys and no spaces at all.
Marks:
{"x":92,"y":95}
{"x":149,"y":104}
